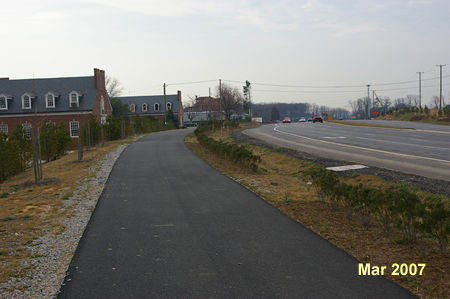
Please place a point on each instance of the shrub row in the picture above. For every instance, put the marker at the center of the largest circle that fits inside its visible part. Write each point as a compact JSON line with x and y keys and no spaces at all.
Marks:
{"x":237,"y":153}
{"x":398,"y":206}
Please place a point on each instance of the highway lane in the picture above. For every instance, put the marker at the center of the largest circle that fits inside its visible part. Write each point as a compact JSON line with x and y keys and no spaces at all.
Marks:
{"x":419,"y":152}
{"x":168,"y":225}
{"x":407,"y":124}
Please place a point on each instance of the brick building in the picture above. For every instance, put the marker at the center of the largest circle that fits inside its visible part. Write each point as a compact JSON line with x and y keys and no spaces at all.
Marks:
{"x":155,"y":105}
{"x":205,"y":104}
{"x":71,"y":100}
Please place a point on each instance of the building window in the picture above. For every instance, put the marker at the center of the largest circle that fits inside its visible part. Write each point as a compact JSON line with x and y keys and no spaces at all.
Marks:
{"x":169,"y":106}
{"x":50,"y":100}
{"x":132,"y":108}
{"x":156,"y":107}
{"x":4,"y":128}
{"x":74,"y":99}
{"x":26,"y":101}
{"x":3,"y":103}
{"x":26,"y":130}
{"x":144,"y":107}
{"x":74,"y":129}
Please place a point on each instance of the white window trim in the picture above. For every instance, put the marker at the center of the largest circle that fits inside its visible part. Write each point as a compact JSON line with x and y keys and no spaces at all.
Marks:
{"x":134,"y":108}
{"x":70,"y":99}
{"x":6,"y":101}
{"x":169,"y":104}
{"x":154,"y":107}
{"x":28,"y":125}
{"x":46,"y":100}
{"x":70,"y":127}
{"x":4,"y":126}
{"x":146,"y":107}
{"x":23,"y":100}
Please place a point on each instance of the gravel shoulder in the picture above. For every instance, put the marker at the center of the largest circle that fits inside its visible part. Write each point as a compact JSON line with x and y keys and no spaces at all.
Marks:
{"x":424,"y":183}
{"x":52,"y":252}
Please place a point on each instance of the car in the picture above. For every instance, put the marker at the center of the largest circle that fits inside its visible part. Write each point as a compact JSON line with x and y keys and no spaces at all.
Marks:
{"x":317,"y":118}
{"x":302,"y":120}
{"x":286,"y":120}
{"x":310,"y":119}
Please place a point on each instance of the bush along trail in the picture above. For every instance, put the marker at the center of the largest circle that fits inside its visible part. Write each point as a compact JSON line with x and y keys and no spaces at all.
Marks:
{"x":398,"y":206}
{"x":237,"y":153}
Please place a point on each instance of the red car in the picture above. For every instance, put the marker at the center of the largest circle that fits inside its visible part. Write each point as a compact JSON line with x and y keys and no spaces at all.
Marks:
{"x":317,"y":118}
{"x":286,"y":120}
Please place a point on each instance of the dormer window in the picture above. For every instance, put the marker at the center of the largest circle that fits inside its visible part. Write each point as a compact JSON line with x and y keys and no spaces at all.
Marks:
{"x":144,"y":107}
{"x":169,"y":106}
{"x":26,"y":101}
{"x":50,"y":100}
{"x":3,"y":103}
{"x":156,"y":107}
{"x":132,"y":108}
{"x":74,"y":99}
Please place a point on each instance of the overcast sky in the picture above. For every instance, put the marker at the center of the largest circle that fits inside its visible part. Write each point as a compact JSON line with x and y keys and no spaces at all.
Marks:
{"x":145,"y":43}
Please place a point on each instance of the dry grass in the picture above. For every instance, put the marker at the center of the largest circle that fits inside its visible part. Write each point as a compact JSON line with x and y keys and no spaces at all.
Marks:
{"x":280,"y":181}
{"x":29,"y":211}
{"x":358,"y":124}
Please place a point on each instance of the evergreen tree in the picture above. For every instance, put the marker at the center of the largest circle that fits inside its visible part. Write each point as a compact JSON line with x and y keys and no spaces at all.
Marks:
{"x":275,"y":114}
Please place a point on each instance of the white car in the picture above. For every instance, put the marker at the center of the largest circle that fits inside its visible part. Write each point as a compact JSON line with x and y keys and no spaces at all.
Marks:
{"x":302,"y":120}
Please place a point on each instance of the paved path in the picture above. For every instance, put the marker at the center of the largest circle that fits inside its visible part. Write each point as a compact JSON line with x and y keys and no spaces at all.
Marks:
{"x":169,"y":226}
{"x":419,"y":152}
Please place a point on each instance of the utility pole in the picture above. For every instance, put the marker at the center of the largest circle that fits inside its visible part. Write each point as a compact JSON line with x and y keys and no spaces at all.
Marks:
{"x":420,"y":89}
{"x":368,"y":100}
{"x":440,"y":86}
{"x":373,"y":100}
{"x":220,"y":104}
{"x":165,"y":105}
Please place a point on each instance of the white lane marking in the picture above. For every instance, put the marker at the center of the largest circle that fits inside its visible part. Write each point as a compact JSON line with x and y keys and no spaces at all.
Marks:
{"x":409,"y":144}
{"x":361,"y":148}
{"x":346,"y":167}
{"x":334,"y":137}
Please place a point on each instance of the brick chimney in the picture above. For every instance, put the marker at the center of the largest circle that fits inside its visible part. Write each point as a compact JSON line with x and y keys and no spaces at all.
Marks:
{"x":99,"y":79}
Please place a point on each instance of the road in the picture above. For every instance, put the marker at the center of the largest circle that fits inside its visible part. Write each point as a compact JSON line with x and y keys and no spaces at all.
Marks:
{"x":168,"y":226}
{"x":422,"y":151}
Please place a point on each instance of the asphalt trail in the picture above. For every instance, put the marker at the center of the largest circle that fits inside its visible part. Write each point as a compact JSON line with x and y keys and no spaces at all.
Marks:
{"x":168,"y":225}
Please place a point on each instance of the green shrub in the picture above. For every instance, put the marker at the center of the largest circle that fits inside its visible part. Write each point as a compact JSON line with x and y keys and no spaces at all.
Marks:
{"x":436,"y":219}
{"x":234,"y":152}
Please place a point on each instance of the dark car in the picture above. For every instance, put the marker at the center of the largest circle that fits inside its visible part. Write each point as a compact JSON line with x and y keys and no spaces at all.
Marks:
{"x":310,"y":119}
{"x":317,"y":118}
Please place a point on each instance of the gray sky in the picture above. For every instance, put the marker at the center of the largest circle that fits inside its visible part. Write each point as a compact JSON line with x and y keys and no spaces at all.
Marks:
{"x":145,"y":43}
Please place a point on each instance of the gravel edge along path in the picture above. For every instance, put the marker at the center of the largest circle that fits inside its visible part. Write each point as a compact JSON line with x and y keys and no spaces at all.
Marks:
{"x":52,"y":253}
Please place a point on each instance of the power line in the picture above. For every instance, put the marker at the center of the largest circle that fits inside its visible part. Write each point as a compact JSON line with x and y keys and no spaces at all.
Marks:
{"x":194,"y":82}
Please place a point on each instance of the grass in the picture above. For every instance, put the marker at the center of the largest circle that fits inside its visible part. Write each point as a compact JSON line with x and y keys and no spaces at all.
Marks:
{"x":67,"y":196}
{"x":358,"y":124}
{"x":285,"y":187}
{"x":4,"y":195}
{"x":36,"y":211}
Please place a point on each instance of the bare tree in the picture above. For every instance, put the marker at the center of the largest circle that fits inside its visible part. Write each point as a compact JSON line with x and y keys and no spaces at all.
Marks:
{"x":412,"y":100}
{"x":434,"y":103}
{"x":113,"y":87}
{"x":231,"y":100}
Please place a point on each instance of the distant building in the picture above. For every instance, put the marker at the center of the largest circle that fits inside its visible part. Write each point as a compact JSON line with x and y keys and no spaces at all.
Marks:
{"x":71,"y":100}
{"x":155,"y":105}
{"x":206,"y":104}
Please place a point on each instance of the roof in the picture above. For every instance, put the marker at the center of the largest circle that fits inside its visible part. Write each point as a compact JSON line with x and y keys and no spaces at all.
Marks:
{"x":151,"y":101}
{"x":38,"y":88}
